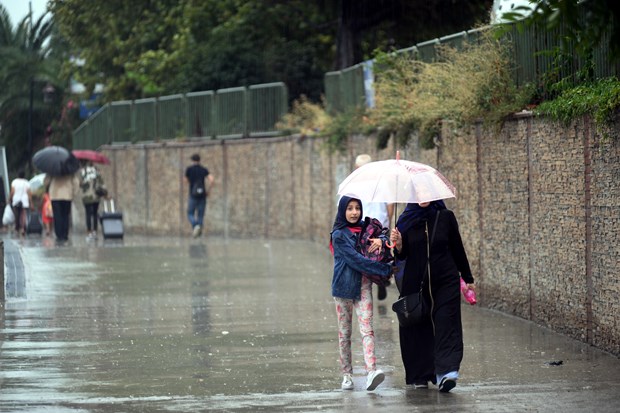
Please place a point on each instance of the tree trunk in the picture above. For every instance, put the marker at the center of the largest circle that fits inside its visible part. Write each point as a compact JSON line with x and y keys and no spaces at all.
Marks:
{"x":346,"y":39}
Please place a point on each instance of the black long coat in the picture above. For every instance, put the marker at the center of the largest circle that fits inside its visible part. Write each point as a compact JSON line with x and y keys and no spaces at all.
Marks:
{"x":434,"y":347}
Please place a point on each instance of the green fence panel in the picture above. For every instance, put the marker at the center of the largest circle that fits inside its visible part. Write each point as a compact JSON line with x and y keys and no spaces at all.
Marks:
{"x":200,"y":108}
{"x":120,"y":121}
{"x":455,"y":40}
{"x":99,"y":126}
{"x":333,"y":95}
{"x":267,"y":103}
{"x":426,"y":50}
{"x":172,"y":118}
{"x":352,"y":83}
{"x":79,"y":137}
{"x":145,"y":119}
{"x":231,"y":112}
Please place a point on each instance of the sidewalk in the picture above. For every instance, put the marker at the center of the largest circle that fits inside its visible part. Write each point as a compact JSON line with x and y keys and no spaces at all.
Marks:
{"x":154,"y":324}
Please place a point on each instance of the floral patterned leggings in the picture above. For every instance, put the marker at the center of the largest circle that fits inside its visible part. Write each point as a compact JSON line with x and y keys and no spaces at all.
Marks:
{"x":363,"y":309}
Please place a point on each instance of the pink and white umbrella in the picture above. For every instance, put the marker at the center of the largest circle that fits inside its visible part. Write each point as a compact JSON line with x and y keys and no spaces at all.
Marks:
{"x":397,"y":181}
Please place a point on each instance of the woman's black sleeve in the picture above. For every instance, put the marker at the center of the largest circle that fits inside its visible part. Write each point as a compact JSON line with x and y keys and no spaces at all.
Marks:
{"x":458,"y":250}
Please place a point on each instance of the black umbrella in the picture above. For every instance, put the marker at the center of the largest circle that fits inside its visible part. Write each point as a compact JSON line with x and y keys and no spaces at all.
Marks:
{"x":56,"y":161}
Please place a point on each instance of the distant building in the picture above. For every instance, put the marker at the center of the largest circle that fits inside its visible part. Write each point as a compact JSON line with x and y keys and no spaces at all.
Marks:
{"x":511,"y":6}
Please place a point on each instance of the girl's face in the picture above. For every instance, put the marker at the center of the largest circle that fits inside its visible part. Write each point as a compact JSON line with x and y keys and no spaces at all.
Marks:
{"x":424,"y":204}
{"x":353,"y":212}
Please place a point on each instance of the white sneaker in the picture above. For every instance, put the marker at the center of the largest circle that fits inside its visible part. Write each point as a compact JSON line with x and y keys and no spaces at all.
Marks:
{"x":347,"y":382}
{"x":448,"y":381}
{"x":197,"y":231}
{"x":374,"y":379}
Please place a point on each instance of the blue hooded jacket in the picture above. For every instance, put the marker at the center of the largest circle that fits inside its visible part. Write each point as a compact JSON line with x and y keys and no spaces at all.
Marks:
{"x":348,"y":262}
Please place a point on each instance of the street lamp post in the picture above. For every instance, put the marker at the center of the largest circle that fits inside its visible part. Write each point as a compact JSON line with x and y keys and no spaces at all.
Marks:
{"x":48,"y":97}
{"x":30,"y":126}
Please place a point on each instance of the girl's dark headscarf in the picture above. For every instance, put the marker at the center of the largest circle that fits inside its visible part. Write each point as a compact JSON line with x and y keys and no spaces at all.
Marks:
{"x":414,"y":213}
{"x":341,"y":219}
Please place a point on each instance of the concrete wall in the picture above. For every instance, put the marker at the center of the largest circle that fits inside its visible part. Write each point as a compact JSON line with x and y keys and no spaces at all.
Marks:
{"x":538,"y":205}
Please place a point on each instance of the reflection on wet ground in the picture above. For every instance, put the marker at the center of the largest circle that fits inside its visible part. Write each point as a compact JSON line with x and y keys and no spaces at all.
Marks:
{"x":154,"y":324}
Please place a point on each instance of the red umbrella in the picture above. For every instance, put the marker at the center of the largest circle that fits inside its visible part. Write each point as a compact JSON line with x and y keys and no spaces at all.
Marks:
{"x":90,"y":155}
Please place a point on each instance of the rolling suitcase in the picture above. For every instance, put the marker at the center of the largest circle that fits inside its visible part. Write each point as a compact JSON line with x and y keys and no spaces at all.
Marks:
{"x":34,"y":223}
{"x":111,"y":221}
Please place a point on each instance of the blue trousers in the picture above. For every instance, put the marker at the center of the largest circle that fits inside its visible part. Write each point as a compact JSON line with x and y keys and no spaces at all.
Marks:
{"x":196,"y":210}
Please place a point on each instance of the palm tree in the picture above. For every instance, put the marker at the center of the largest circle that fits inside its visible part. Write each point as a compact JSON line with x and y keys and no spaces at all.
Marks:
{"x":26,"y":68}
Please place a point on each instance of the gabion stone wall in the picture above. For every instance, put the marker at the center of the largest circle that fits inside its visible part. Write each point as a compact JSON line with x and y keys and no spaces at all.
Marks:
{"x":538,"y":206}
{"x":545,"y":218}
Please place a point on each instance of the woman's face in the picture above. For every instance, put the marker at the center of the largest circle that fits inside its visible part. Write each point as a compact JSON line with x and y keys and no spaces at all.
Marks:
{"x":353,"y":212}
{"x":424,"y":204}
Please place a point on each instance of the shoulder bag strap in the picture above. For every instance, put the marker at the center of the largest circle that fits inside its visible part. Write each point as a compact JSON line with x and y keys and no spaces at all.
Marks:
{"x":427,"y":270}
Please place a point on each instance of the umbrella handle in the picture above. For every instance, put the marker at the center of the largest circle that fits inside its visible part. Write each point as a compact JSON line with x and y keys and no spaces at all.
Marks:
{"x":390,"y":246}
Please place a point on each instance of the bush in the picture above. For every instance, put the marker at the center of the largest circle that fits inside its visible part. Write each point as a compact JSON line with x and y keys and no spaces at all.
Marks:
{"x":305,"y":117}
{"x":463,"y":85}
{"x":600,"y":98}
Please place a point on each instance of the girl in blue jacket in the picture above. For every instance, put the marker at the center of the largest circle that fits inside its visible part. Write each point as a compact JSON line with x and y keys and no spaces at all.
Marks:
{"x":353,"y":291}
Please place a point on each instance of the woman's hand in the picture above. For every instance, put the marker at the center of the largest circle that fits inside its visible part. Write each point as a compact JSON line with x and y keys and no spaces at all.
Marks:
{"x":396,"y":239}
{"x":376,"y":244}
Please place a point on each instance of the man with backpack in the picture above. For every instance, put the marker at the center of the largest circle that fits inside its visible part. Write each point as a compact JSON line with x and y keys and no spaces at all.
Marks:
{"x":195,"y":176}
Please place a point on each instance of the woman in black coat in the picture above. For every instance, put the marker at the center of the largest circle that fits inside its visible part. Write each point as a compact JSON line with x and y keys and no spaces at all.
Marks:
{"x":433,"y":350}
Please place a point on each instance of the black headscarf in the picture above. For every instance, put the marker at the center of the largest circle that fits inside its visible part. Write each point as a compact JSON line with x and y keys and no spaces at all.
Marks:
{"x":414,"y":213}
{"x":341,"y":217}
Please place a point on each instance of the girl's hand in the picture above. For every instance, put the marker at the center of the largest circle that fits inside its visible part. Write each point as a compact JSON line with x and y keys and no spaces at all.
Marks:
{"x":396,"y":239}
{"x":377,"y":244}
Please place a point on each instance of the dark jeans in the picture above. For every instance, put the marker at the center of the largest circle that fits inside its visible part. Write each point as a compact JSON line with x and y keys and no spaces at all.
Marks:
{"x":91,"y":216}
{"x":62,"y":215}
{"x":20,"y":218}
{"x":196,"y":210}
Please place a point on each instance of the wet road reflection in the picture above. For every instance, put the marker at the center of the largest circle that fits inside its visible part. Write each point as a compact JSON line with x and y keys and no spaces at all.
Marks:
{"x":166,"y":324}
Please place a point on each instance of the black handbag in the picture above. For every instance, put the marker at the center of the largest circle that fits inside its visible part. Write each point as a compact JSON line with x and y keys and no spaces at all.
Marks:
{"x":413,"y":309}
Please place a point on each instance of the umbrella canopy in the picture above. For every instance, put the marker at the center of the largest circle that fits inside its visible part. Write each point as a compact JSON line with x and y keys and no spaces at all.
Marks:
{"x":55,"y":161}
{"x":90,"y":155}
{"x":397,"y":180}
{"x":36,"y":183}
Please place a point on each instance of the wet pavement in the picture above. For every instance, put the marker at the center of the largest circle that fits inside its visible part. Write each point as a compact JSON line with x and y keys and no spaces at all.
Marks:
{"x":156,"y":324}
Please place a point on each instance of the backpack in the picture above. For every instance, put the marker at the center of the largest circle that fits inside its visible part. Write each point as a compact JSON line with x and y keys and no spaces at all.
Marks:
{"x":372,"y":228}
{"x":198,"y":189}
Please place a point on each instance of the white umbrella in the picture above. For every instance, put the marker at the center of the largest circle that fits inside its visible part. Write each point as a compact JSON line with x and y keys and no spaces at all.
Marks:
{"x":397,"y":181}
{"x":37,"y":182}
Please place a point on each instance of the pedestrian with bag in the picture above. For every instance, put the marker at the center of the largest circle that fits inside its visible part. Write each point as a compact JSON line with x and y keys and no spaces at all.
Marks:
{"x":62,"y":190}
{"x":195,"y":176}
{"x":427,"y":237}
{"x":93,"y":189}
{"x":20,"y":199}
{"x":352,"y":291}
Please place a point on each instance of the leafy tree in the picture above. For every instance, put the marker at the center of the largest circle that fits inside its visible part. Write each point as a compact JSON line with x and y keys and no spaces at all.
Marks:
{"x":587,"y":22}
{"x":27,"y":68}
{"x":153,"y":47}
{"x":367,"y":25}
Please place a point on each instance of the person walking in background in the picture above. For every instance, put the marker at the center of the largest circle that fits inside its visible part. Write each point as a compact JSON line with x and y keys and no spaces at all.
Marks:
{"x":382,"y":211}
{"x":353,"y":291}
{"x":47,"y":213}
{"x":62,"y":189}
{"x":195,"y":176}
{"x":91,"y":184}
{"x":433,"y":350}
{"x":21,"y":200}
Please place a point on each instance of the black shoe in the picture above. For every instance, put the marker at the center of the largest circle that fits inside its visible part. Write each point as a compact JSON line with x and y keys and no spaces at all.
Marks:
{"x":382,"y":293}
